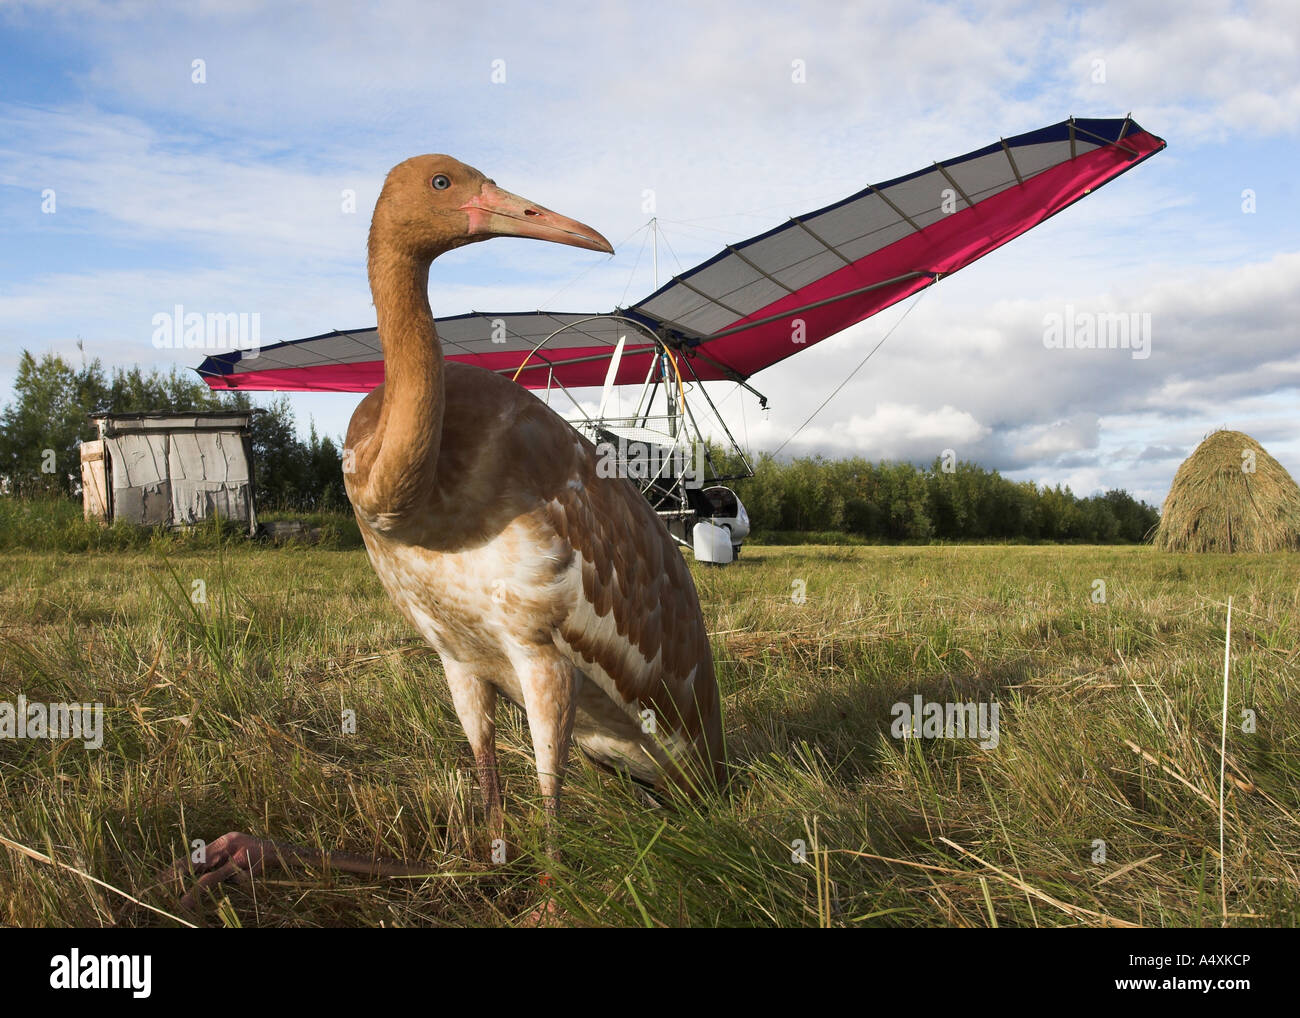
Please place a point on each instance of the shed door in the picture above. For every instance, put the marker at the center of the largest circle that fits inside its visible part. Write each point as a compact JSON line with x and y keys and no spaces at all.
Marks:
{"x":94,"y":481}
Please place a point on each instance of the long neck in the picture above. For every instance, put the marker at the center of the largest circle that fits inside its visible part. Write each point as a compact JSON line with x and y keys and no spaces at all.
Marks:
{"x":408,"y":434}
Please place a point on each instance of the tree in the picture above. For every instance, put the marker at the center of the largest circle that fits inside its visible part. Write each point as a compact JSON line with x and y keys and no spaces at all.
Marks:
{"x":40,"y":431}
{"x":1135,"y":519}
{"x":132,"y":391}
{"x":42,"y":428}
{"x":325,"y":473}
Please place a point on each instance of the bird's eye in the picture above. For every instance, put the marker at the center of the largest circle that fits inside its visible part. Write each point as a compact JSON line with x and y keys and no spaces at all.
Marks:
{"x":441,"y":182}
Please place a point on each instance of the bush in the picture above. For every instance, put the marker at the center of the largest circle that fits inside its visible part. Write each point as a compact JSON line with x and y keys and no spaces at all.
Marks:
{"x":50,"y":523}
{"x":902,"y":502}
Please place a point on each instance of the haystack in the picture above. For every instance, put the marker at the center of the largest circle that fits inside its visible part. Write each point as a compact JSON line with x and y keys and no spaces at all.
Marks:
{"x":1230,"y":495}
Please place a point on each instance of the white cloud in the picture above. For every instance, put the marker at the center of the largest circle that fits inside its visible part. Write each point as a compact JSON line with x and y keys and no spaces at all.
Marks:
{"x":1208,"y":68}
{"x":893,"y":431}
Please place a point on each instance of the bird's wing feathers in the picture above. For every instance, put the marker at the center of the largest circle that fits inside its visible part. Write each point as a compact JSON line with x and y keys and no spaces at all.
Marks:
{"x":636,"y":616}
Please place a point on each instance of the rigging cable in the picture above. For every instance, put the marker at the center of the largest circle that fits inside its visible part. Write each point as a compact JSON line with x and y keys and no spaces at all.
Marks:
{"x":850,"y":375}
{"x":635,"y":265}
{"x":584,"y":272}
{"x":671,"y":251}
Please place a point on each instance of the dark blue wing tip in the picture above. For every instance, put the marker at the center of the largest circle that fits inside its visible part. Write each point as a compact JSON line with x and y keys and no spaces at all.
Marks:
{"x":220,"y":364}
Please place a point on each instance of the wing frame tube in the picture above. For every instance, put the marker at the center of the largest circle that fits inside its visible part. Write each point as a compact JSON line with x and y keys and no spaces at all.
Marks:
{"x":906,"y":277}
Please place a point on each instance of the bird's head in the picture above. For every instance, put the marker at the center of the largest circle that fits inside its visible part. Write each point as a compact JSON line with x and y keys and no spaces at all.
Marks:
{"x":433,"y":203}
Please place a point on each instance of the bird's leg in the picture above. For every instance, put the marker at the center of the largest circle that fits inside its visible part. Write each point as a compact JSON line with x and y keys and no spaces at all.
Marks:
{"x":485,"y":762}
{"x":476,"y":707}
{"x":549,"y":686}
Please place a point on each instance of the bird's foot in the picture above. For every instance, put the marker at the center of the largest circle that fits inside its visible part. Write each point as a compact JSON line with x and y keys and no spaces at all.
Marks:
{"x":241,"y":857}
{"x":547,"y":914}
{"x":233,"y":856}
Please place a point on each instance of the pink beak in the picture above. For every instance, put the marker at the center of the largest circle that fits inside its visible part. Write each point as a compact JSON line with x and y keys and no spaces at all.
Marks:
{"x":497,"y":213}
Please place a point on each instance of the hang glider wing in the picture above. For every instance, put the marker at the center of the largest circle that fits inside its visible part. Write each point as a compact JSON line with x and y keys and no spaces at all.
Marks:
{"x":353,"y":361}
{"x":759,"y":301}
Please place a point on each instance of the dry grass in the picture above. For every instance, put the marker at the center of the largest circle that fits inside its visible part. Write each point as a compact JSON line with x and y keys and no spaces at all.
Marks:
{"x":226,"y":716}
{"x":1230,"y":495}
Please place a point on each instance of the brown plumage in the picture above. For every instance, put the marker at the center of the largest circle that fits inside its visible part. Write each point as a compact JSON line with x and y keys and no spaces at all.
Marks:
{"x":488,"y":525}
{"x":486,"y":521}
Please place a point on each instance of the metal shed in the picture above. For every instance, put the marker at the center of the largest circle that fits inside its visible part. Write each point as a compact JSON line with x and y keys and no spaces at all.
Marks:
{"x":169,"y":469}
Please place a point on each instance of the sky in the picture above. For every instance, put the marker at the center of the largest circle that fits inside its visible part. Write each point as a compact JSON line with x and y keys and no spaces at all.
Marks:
{"x":128,"y":187}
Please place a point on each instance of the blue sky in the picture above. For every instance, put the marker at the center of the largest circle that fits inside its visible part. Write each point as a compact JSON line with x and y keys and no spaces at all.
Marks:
{"x":225,"y":195}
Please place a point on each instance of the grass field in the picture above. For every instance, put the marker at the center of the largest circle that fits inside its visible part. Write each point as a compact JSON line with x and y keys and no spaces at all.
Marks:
{"x":227,"y":716}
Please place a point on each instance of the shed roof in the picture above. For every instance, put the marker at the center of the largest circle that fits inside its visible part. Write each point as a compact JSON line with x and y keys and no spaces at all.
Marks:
{"x":206,"y":420}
